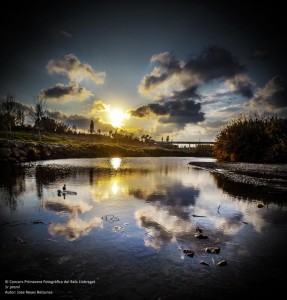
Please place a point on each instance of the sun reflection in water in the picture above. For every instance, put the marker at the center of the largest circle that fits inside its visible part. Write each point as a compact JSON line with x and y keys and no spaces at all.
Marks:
{"x":116,"y":162}
{"x":115,"y":187}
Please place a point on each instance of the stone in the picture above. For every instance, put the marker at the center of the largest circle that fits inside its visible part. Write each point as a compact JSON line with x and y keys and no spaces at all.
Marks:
{"x":5,"y":152}
{"x":204,"y":263}
{"x":213,"y":250}
{"x":188,"y":252}
{"x":201,"y":236}
{"x":16,"y":152}
{"x":222,"y":263}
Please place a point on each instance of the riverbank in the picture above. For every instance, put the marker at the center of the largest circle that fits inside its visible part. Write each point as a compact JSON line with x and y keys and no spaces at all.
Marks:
{"x":261,"y":175}
{"x":18,"y":151}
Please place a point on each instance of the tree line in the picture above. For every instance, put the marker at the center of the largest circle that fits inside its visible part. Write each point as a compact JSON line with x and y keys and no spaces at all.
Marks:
{"x":14,"y":115}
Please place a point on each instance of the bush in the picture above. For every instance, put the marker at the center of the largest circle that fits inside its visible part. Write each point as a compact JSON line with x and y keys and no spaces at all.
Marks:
{"x":253,"y":139}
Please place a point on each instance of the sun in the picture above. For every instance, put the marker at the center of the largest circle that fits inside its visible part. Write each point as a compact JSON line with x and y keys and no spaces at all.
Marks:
{"x":116,"y":117}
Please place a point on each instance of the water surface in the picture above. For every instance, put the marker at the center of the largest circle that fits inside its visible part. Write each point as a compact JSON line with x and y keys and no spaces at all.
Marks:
{"x":128,"y":224}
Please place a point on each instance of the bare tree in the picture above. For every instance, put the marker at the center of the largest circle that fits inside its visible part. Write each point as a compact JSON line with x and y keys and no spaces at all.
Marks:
{"x":39,"y":113}
{"x":20,"y":116}
{"x":8,"y":110}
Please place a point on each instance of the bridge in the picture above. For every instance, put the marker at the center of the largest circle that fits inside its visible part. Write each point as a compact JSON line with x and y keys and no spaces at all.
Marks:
{"x":183,"y":143}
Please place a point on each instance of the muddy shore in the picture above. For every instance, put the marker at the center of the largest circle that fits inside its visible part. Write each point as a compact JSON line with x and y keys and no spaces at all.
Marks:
{"x":271,"y":176}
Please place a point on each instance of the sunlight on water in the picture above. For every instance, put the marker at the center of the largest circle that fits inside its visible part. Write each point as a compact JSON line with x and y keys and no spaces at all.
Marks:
{"x":116,"y":162}
{"x":137,"y":215}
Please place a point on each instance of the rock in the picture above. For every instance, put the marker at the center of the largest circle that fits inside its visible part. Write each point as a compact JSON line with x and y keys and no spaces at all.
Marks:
{"x":16,"y":152}
{"x":46,"y":152}
{"x":33,"y":153}
{"x":213,"y":250}
{"x":188,"y":252}
{"x":260,"y":205}
{"x":204,"y":263}
{"x":207,"y":250}
{"x":222,"y":263}
{"x":5,"y":152}
{"x":201,"y":236}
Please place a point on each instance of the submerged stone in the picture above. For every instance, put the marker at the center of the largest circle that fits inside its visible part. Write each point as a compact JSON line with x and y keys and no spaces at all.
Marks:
{"x":188,"y":252}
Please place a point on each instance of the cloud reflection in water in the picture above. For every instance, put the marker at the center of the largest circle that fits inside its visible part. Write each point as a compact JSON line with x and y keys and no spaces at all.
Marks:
{"x":74,"y":227}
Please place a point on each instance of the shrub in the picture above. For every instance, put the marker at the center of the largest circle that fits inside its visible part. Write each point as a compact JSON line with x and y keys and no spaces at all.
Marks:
{"x":253,"y":139}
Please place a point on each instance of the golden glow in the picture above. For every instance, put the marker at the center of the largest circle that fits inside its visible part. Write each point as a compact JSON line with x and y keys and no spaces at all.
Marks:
{"x":116,"y":162}
{"x":117,"y":117}
{"x":115,"y":187}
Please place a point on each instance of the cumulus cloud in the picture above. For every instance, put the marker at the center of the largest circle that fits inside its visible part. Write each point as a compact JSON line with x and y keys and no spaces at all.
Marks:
{"x":99,"y":106}
{"x":66,"y":93}
{"x":178,"y":112}
{"x":74,"y":70}
{"x":242,"y":85}
{"x":171,"y":76}
{"x":175,"y":84}
{"x":272,"y":98}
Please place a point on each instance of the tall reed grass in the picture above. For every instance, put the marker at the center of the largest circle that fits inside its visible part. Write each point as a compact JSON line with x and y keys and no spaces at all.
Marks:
{"x":253,"y":139}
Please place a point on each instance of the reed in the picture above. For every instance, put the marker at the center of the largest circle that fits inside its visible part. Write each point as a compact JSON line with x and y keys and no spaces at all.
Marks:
{"x":253,"y":139}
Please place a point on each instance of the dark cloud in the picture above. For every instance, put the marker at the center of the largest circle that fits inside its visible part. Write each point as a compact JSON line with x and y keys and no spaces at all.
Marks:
{"x":66,"y":92}
{"x":272,"y":97}
{"x":214,"y":62}
{"x":186,"y":94}
{"x":242,"y":85}
{"x":180,"y":112}
{"x":180,"y":79}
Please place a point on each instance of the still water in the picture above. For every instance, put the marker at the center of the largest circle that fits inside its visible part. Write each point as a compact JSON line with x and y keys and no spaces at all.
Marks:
{"x":126,"y":225}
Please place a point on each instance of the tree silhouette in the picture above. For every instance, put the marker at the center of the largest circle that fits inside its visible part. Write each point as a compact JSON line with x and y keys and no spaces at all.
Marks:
{"x":8,"y":112}
{"x":92,"y":127}
{"x":39,"y":113}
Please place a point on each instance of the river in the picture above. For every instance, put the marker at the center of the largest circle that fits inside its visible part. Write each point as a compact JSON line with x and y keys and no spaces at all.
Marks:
{"x":121,"y":233}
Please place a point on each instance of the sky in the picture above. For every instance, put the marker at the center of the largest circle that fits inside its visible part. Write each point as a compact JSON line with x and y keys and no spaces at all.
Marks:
{"x":181,"y":69}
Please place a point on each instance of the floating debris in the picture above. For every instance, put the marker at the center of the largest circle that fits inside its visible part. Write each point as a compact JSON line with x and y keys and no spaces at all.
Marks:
{"x":244,"y":222}
{"x":213,"y":250}
{"x":118,"y":227}
{"x":260,"y":205}
{"x":110,"y":218}
{"x":222,"y":263}
{"x":197,"y":216}
{"x":188,"y":252}
{"x":204,"y":263}
{"x":201,"y":236}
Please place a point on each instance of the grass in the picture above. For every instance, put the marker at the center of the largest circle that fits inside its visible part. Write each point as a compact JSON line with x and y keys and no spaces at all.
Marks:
{"x":87,"y":145}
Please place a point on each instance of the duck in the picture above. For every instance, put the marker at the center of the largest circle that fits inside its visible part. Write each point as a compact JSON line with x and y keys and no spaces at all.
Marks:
{"x":64,"y":187}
